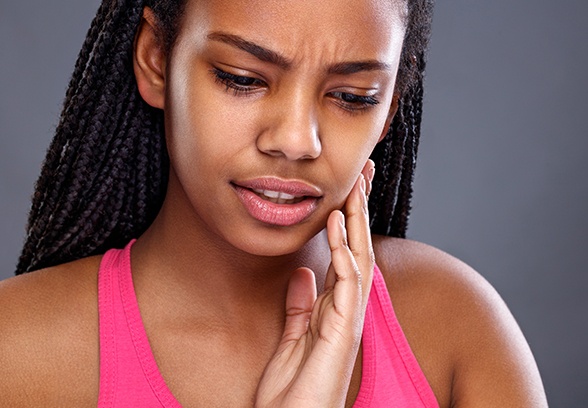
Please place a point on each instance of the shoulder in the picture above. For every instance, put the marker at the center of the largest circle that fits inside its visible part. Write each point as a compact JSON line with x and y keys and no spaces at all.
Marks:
{"x":49,"y":334}
{"x":460,"y":330}
{"x":419,"y":275}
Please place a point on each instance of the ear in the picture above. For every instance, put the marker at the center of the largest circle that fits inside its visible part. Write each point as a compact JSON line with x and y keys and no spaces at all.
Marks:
{"x":149,"y":61}
{"x":391,"y":113}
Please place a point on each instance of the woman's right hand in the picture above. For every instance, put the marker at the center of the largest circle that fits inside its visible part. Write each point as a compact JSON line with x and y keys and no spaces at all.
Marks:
{"x":314,"y":361}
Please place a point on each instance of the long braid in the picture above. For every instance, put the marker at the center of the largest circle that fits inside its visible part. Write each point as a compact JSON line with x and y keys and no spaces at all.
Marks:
{"x":395,"y":157}
{"x":97,"y":187}
{"x":403,"y":207}
{"x":388,"y":174}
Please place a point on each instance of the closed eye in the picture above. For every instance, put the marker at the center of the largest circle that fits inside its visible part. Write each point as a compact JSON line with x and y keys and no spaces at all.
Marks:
{"x":243,"y":85}
{"x":352,"y":102}
{"x":240,"y":85}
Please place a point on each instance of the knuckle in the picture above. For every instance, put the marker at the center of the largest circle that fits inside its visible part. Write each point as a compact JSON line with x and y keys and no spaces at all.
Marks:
{"x":356,"y":271}
{"x":339,"y":244}
{"x":296,"y":311}
{"x":368,"y":255}
{"x":354,"y":211}
{"x":364,"y":207}
{"x":344,"y":243}
{"x":356,"y":254}
{"x":371,"y":255}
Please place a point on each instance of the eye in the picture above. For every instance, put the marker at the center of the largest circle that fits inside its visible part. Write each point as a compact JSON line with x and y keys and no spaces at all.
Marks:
{"x":237,"y":83}
{"x":352,"y":102}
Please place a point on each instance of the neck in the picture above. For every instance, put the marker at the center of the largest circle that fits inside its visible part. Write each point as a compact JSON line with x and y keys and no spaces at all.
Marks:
{"x":184,"y":264}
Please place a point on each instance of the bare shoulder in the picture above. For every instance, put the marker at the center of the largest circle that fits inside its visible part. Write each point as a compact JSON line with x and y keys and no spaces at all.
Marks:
{"x":462,"y":333}
{"x":424,"y":276}
{"x":49,"y":336}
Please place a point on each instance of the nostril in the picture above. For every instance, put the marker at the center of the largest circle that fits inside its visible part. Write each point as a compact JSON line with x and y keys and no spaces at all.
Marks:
{"x":291,"y":146}
{"x":294,"y":135}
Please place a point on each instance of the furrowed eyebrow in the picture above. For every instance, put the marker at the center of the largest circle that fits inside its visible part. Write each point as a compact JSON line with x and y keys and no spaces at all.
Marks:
{"x":273,"y":57}
{"x":348,"y":68}
{"x":257,"y":51}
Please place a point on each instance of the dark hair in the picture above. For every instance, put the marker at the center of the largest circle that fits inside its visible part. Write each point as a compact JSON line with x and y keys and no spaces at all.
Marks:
{"x":105,"y":174}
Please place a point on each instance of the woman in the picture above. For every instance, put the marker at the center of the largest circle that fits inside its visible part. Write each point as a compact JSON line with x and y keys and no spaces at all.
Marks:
{"x":270,"y":112}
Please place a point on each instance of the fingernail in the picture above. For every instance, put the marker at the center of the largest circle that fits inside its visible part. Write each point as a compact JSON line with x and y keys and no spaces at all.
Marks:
{"x":342,"y":219}
{"x":371,"y":173}
{"x":362,"y":184}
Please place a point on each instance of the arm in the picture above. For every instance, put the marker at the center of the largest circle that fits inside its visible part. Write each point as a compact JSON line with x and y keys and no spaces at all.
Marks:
{"x":465,"y":338}
{"x":49,"y":337}
{"x":494,"y":365}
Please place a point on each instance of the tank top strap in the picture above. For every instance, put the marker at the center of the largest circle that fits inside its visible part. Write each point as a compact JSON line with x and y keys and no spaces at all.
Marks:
{"x":107,"y":286}
{"x":129,"y":375}
{"x":391,"y":375}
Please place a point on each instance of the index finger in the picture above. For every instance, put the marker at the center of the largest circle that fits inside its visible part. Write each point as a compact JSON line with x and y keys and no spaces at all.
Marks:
{"x":358,"y":233}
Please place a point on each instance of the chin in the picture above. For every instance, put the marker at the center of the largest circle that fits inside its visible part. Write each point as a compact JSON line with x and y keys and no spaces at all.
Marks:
{"x":273,"y":242}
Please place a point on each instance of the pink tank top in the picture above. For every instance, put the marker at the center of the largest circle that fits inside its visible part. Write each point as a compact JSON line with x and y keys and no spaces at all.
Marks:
{"x":129,"y":377}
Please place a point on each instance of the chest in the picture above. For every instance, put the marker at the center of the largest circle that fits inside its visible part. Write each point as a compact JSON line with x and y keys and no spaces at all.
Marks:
{"x":195,"y":371}
{"x":219,"y":377}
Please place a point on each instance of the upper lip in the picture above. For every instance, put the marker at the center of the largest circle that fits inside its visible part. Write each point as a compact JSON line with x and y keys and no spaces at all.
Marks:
{"x":292,"y":187}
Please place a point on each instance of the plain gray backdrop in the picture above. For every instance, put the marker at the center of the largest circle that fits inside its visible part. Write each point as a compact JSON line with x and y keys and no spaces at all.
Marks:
{"x":502,"y":174}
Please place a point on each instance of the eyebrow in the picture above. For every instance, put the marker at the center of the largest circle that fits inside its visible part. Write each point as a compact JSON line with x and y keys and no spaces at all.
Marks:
{"x":347,"y":68}
{"x":275,"y":58}
{"x":257,"y":51}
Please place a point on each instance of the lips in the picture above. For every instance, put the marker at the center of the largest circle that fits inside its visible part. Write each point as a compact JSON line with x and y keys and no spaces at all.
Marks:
{"x":278,"y":197}
{"x":277,"y":202}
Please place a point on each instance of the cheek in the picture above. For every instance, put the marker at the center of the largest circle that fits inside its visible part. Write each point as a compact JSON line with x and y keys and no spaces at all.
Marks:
{"x":202,"y":132}
{"x":344,"y":168}
{"x":349,"y":144}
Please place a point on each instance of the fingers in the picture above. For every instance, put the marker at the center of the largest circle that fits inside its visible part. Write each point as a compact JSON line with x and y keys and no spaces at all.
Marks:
{"x":358,"y":231}
{"x":315,"y":358}
{"x":299,"y":303}
{"x":344,"y":276}
{"x":353,"y":232}
{"x":369,"y":171}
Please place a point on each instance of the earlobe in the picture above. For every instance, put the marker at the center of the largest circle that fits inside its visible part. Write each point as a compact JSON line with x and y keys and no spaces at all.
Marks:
{"x":149,"y":61}
{"x":391,"y":114}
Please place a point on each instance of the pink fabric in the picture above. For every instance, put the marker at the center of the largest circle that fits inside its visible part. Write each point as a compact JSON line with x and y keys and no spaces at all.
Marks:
{"x":391,"y":375}
{"x":129,"y":377}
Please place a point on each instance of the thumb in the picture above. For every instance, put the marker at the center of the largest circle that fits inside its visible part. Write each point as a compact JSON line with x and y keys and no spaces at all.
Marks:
{"x":299,"y":303}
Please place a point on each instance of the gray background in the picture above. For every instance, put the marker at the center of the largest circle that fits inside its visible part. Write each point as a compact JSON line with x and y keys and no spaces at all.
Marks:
{"x":502,"y":174}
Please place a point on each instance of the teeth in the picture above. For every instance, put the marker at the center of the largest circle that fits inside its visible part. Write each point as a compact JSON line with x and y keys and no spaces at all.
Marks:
{"x":271,"y":194}
{"x":284,"y":196}
{"x":275,"y":194}
{"x":278,"y":197}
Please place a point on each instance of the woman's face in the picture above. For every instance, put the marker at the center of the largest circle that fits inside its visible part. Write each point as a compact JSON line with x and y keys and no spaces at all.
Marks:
{"x":268,"y":97}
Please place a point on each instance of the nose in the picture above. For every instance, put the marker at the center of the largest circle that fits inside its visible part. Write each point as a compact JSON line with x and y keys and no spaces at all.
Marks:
{"x":292,"y":131}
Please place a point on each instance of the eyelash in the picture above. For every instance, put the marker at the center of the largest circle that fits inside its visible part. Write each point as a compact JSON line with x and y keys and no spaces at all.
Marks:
{"x":231,"y":82}
{"x":243,"y":85}
{"x":354,"y":103}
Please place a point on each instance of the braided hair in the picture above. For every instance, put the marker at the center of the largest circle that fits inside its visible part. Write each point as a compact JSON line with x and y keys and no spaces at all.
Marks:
{"x":105,"y":175}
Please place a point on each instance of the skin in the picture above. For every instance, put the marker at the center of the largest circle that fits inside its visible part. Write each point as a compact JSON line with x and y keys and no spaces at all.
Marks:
{"x":223,"y":295}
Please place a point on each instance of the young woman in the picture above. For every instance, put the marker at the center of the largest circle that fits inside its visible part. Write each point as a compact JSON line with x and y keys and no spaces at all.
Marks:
{"x":224,"y":147}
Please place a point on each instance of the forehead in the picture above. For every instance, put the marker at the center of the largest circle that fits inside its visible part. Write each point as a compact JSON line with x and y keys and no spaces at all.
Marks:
{"x":355,"y":28}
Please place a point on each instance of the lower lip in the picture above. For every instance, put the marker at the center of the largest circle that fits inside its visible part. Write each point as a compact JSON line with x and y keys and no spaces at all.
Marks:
{"x":276,"y":214}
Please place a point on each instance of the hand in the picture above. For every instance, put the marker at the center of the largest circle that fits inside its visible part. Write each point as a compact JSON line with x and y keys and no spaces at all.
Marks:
{"x":314,"y":361}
